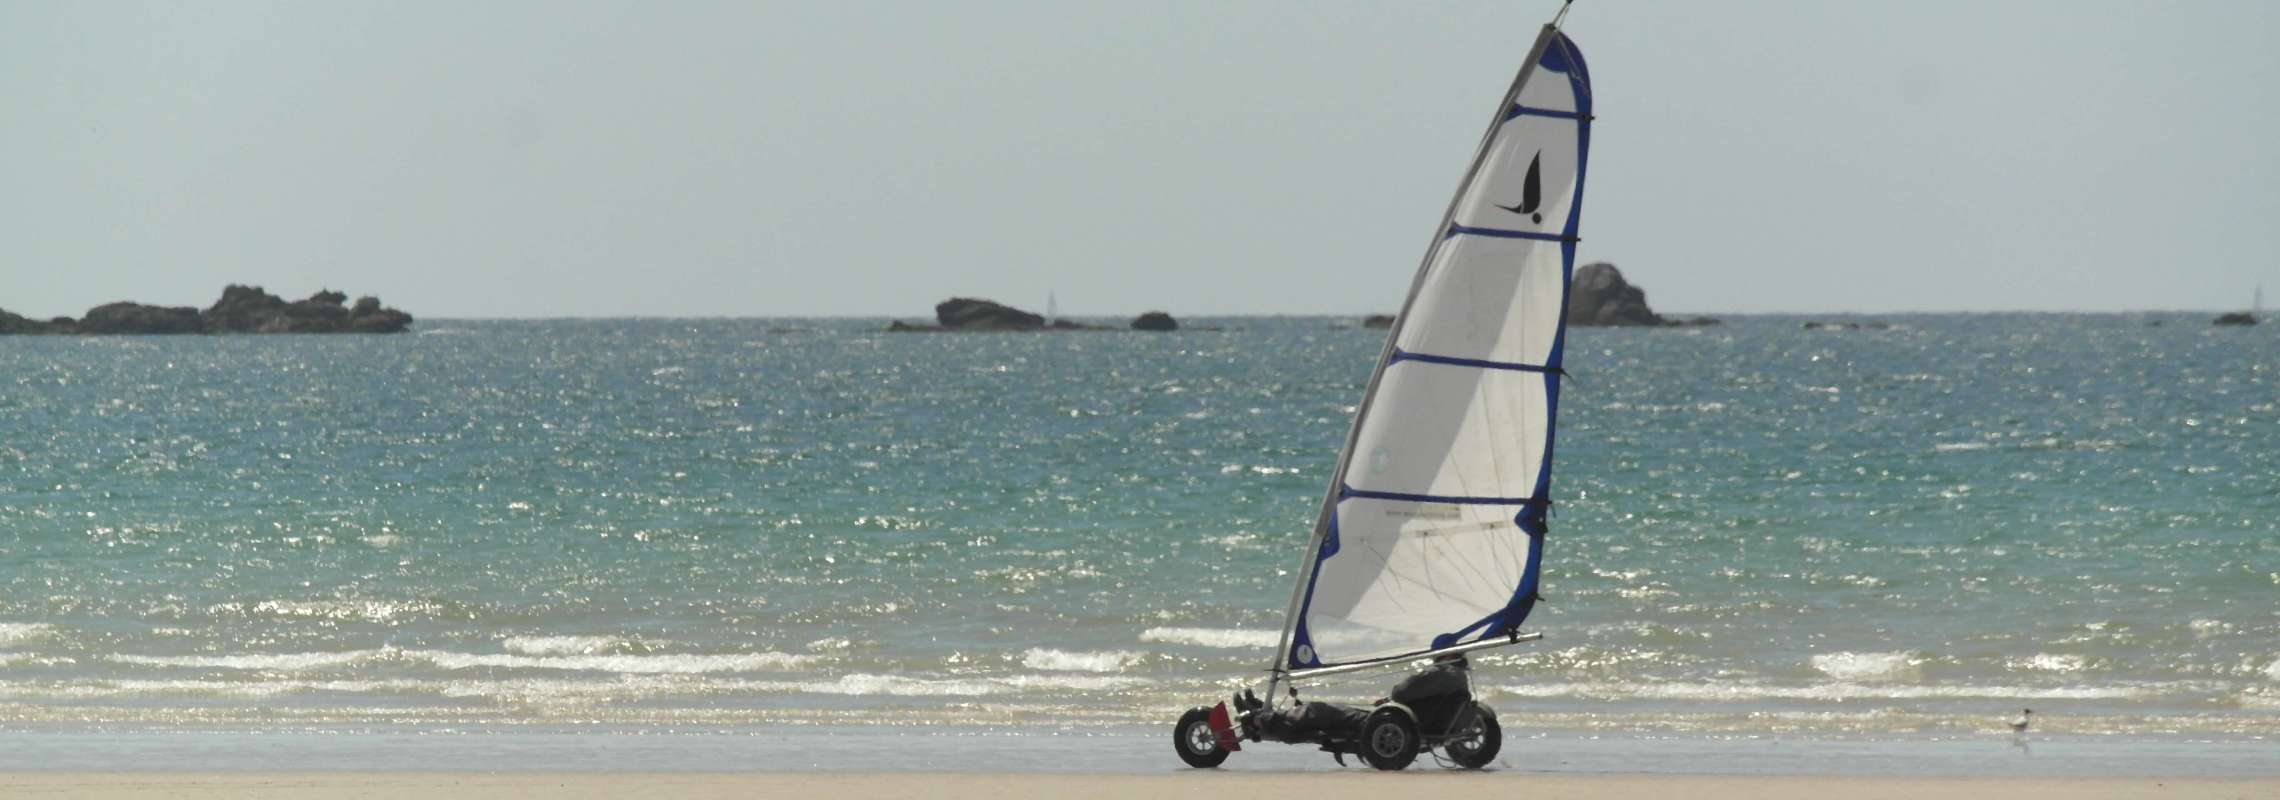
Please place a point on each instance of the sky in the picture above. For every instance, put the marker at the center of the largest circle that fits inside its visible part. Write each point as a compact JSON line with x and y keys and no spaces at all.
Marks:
{"x":513,"y":158}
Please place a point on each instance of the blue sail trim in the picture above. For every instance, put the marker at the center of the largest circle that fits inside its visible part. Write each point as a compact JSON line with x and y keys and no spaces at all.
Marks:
{"x":1561,"y":56}
{"x":1300,"y":640}
{"x":1456,"y":230}
{"x":1400,"y":355}
{"x":1517,"y":111}
{"x":1349,"y":492}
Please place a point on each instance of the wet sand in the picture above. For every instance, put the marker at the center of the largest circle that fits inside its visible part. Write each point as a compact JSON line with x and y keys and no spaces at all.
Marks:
{"x":1354,"y":785}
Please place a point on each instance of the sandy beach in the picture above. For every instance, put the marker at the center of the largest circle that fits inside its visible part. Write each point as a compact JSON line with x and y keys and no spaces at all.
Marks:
{"x":1356,"y":785}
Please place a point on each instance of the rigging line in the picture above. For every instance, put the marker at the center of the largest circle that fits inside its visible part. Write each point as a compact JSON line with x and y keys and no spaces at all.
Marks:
{"x":1557,"y":18}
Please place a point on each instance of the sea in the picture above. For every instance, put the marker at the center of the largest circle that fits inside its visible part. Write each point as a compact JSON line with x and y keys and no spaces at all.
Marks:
{"x":812,"y":544}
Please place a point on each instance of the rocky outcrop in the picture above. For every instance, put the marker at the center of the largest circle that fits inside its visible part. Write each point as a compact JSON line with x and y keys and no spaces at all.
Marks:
{"x":1600,"y":296}
{"x":961,"y":314}
{"x":241,"y":309}
{"x":967,"y":313}
{"x":248,"y":309}
{"x":19,"y":324}
{"x":139,"y":318}
{"x":1155,"y":321}
{"x":2235,"y":318}
{"x":1378,"y":321}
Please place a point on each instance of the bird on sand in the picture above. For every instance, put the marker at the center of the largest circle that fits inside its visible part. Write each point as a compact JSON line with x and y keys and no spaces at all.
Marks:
{"x":2026,"y":717}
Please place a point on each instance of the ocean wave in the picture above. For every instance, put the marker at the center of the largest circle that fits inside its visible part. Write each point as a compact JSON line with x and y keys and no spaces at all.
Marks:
{"x":1736,"y":692}
{"x":339,"y":610}
{"x":655,"y":664}
{"x":281,"y":662}
{"x":1851,"y":666}
{"x":563,"y":645}
{"x":662,"y":663}
{"x":1212,"y":637}
{"x":2272,"y":670}
{"x":1099,"y":661}
{"x":17,"y":632}
{"x":2047,"y":662}
{"x":862,"y":684}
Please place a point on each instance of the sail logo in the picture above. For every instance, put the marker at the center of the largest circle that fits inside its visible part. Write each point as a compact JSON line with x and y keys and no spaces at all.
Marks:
{"x":1531,"y":190}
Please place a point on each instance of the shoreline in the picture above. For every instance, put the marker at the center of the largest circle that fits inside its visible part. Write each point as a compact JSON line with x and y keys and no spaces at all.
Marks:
{"x":111,"y":786}
{"x":1130,"y":751}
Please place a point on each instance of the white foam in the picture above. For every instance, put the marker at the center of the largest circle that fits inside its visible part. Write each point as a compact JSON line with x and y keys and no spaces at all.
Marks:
{"x":1098,"y":661}
{"x":1850,"y":666}
{"x":2046,"y":662}
{"x":563,"y":645}
{"x":15,"y":632}
{"x":660,"y":664}
{"x":1740,"y":692}
{"x":1212,"y":637}
{"x":2272,"y":670}
{"x":1958,"y":447}
{"x":283,"y":662}
{"x":899,"y":686}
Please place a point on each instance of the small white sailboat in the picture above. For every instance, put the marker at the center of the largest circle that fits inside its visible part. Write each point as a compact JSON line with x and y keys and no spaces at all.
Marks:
{"x":1430,"y":540}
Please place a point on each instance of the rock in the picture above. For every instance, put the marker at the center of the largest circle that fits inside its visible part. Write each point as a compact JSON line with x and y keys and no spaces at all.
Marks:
{"x":248,"y":309}
{"x":241,"y":309}
{"x":136,"y":318}
{"x":1600,"y":296}
{"x":2235,"y":318}
{"x":966,"y":313}
{"x":1155,"y":321}
{"x":1379,"y":321}
{"x":18,"y":324}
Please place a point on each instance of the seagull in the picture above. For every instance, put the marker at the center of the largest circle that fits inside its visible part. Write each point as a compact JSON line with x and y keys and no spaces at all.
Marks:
{"x":2026,"y":717}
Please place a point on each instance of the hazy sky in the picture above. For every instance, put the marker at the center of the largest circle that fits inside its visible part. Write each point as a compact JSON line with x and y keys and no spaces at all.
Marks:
{"x":532,"y":159}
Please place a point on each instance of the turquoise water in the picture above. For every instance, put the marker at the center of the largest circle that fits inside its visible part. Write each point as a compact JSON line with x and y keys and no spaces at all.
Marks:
{"x":745,"y":524}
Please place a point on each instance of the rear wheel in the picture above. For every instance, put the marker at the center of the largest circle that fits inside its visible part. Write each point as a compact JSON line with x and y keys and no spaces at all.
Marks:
{"x":1478,"y":738}
{"x":1197,"y":743}
{"x":1389,"y":739}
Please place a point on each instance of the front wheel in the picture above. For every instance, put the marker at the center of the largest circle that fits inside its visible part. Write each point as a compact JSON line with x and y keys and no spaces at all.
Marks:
{"x":1389,"y":739}
{"x":1197,"y":743}
{"x":1478,"y":738}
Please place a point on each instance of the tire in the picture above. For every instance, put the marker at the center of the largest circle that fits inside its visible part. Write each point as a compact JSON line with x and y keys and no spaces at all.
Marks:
{"x":1389,"y":739}
{"x":1195,"y":741}
{"x":1478,"y":750}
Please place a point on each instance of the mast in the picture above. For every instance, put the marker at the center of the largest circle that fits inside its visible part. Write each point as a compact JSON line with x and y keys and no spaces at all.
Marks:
{"x":1279,"y":669}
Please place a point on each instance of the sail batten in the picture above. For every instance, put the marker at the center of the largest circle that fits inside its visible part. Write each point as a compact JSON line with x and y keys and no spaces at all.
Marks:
{"x":1431,"y":532}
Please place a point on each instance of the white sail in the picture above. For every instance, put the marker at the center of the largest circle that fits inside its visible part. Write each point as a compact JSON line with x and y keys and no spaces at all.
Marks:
{"x":1432,"y":533}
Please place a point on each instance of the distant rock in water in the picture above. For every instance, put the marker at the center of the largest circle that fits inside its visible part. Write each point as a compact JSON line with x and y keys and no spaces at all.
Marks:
{"x":20,"y":324}
{"x":2235,"y":318}
{"x":242,"y":309}
{"x":974,"y":314}
{"x":970,"y":313}
{"x":1600,"y":296}
{"x":139,"y":318}
{"x":1155,"y":321}
{"x":1379,"y":321}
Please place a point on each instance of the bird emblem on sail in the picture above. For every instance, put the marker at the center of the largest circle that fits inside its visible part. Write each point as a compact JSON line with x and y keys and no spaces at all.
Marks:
{"x":1531,"y":190}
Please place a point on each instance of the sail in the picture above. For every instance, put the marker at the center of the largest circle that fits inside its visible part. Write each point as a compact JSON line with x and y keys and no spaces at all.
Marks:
{"x":1432,"y":532}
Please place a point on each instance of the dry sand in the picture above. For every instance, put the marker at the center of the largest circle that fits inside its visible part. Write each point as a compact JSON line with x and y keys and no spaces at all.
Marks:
{"x":1356,"y":785}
